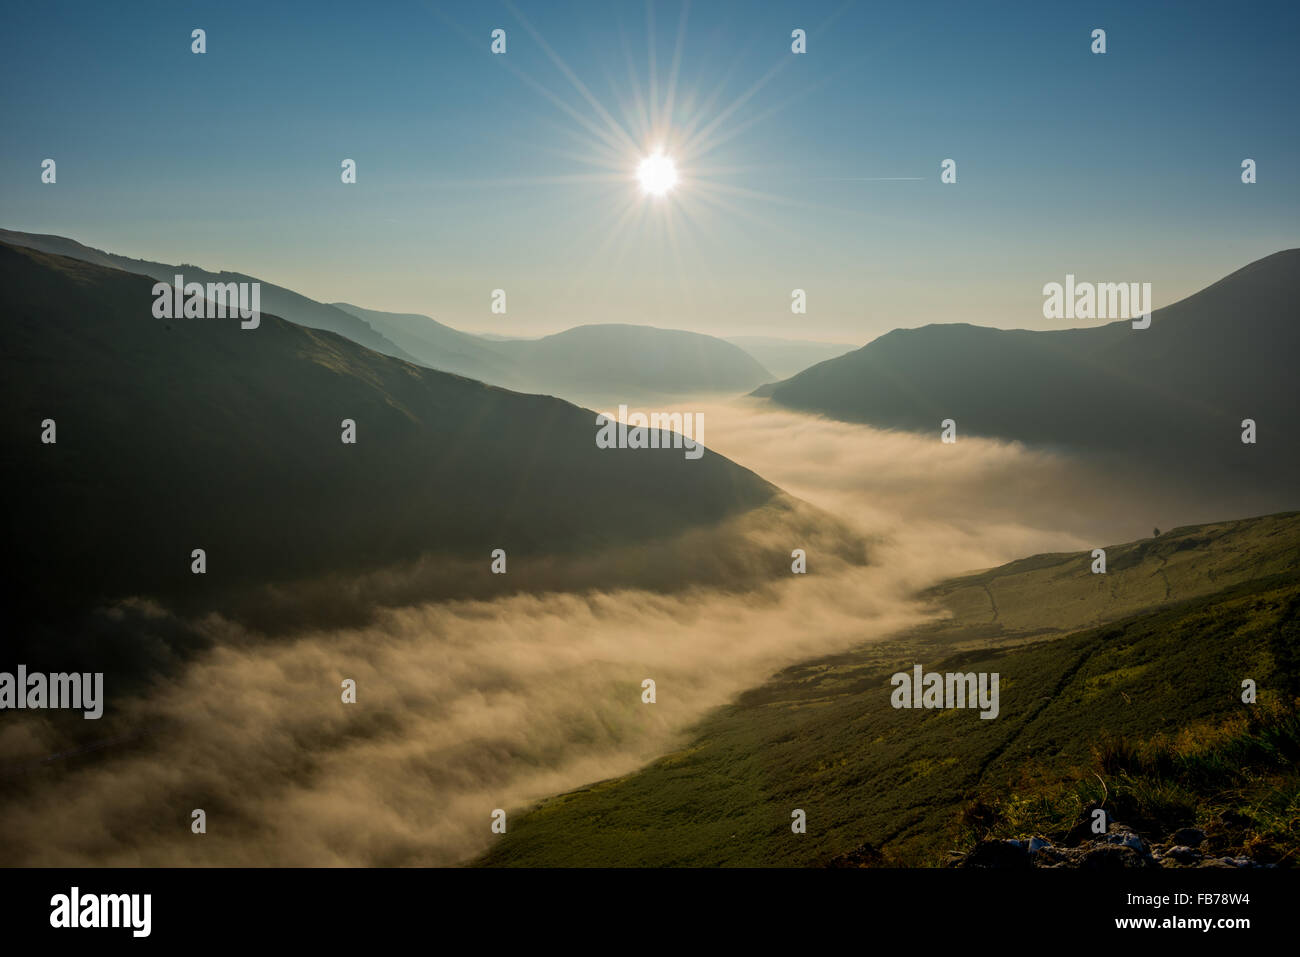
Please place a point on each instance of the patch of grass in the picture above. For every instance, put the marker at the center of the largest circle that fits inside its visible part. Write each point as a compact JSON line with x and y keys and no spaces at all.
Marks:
{"x":1238,"y":779}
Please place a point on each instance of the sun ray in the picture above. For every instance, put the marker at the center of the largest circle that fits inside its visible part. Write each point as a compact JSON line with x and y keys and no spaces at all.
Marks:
{"x":654,"y":187}
{"x":614,"y":126}
{"x":642,"y":110}
{"x":674,"y":72}
{"x":653,"y":64}
{"x":618,"y":230}
{"x":733,"y":210}
{"x":560,"y":179}
{"x":612,"y":141}
{"x":705,"y":147}
{"x":690,"y":145}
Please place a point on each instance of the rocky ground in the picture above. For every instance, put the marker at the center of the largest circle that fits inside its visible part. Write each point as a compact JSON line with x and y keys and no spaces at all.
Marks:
{"x":1119,"y":848}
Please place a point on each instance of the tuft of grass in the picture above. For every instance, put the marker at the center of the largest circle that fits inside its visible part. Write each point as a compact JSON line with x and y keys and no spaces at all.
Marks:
{"x":1238,"y":779}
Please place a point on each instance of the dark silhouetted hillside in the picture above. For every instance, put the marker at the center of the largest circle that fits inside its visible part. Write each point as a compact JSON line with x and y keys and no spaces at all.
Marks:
{"x":622,"y":360}
{"x":195,"y":433}
{"x":1172,"y":395}
{"x":276,"y":300}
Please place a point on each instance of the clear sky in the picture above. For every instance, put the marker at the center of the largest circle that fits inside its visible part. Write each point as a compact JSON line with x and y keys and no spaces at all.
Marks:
{"x":477,"y":171}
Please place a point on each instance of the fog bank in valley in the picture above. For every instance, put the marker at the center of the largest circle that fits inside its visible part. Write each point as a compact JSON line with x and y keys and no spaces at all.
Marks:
{"x":471,"y":705}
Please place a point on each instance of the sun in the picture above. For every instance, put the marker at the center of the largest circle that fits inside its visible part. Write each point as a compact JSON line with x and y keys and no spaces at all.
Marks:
{"x":657,"y":174}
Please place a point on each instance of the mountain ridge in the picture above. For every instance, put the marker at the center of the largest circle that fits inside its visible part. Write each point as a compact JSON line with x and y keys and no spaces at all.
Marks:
{"x":230,"y":440}
{"x":582,"y":362}
{"x":1173,"y":395}
{"x":276,"y":300}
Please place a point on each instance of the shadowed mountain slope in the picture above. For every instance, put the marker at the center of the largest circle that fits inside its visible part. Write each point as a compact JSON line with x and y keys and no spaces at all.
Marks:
{"x":1172,"y":395}
{"x":438,"y":346}
{"x":194,"y":433}
{"x":276,"y":300}
{"x":586,"y":361}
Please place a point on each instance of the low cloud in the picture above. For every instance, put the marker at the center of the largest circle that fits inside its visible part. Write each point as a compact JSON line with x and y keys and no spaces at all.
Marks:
{"x":465,"y":706}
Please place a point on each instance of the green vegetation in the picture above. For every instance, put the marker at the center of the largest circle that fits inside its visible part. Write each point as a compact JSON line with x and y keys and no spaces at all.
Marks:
{"x":1056,"y":593}
{"x":823,"y":737}
{"x":1237,"y":779}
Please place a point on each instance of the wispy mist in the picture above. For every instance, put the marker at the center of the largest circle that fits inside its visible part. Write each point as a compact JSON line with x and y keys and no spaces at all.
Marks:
{"x":470,"y":705}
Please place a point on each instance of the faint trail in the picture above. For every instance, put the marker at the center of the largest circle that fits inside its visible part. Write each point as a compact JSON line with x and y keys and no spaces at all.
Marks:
{"x":1065,"y":678}
{"x":977,"y":776}
{"x":992,"y":601}
{"x":1160,"y":570}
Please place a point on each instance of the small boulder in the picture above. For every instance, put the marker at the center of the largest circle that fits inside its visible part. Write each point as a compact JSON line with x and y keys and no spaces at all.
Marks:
{"x":1126,"y":838}
{"x":1183,"y":854}
{"x":1187,"y":837}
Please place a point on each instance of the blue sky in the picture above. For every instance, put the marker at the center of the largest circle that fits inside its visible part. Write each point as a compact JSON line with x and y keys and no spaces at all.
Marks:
{"x":478,"y":172}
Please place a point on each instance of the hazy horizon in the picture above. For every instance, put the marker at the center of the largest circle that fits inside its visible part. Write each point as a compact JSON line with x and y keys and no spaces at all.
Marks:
{"x":817,"y":171}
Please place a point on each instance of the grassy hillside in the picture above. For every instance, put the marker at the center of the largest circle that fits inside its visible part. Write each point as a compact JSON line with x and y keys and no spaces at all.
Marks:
{"x":1236,"y":780}
{"x":1056,"y":593}
{"x":823,"y":737}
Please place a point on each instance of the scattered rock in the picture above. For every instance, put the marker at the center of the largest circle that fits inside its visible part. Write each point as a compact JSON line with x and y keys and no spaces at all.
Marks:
{"x":1183,"y":854}
{"x":1188,"y":837}
{"x":1127,"y":839}
{"x":1121,"y":848}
